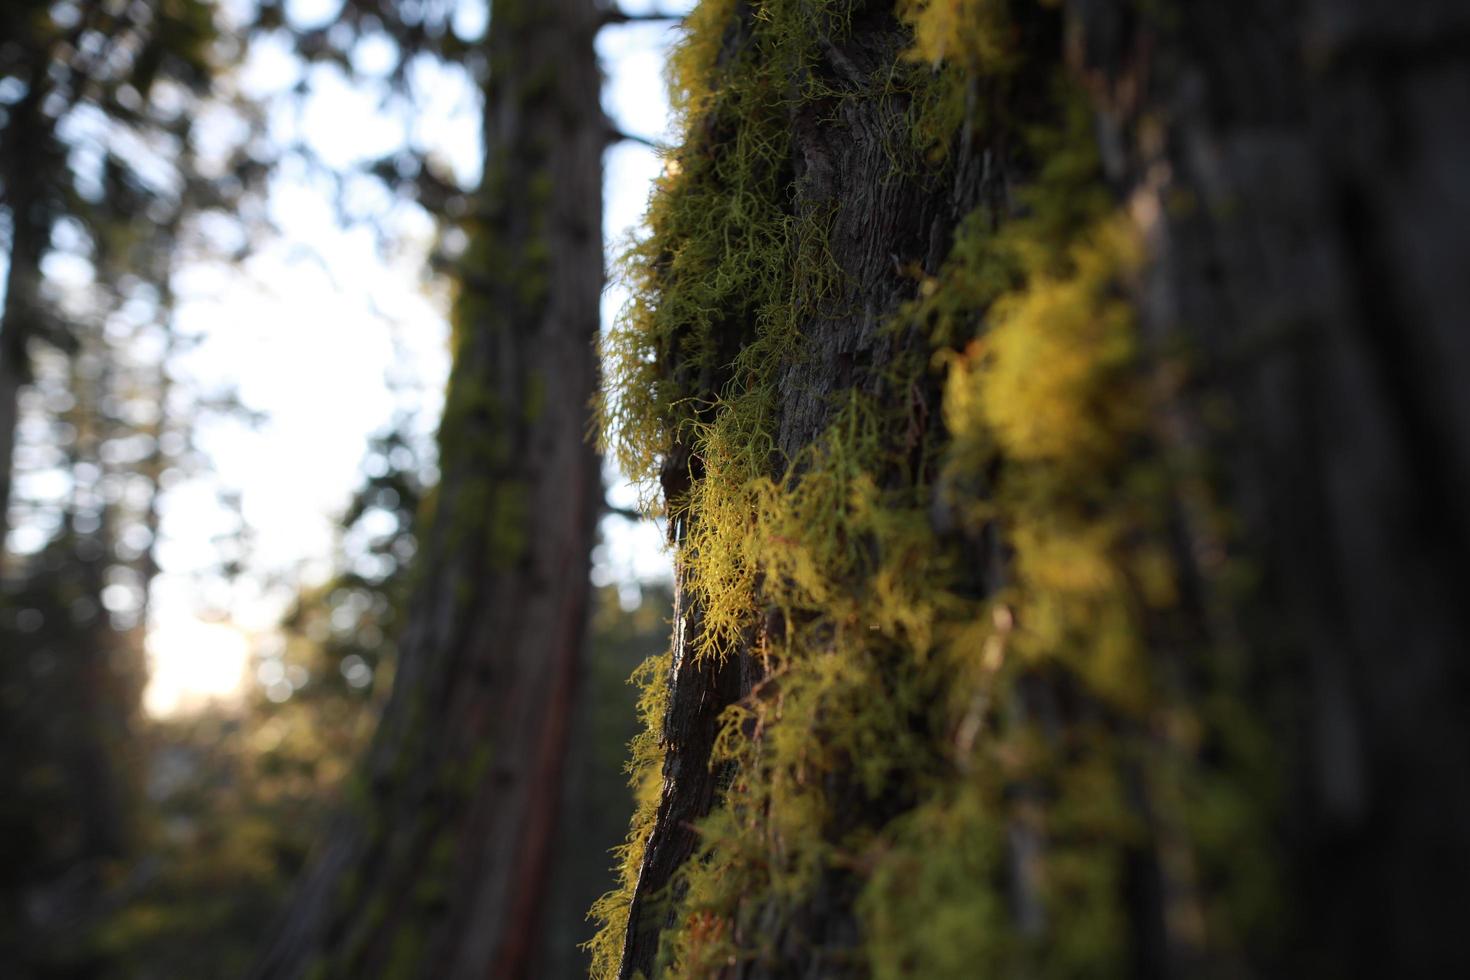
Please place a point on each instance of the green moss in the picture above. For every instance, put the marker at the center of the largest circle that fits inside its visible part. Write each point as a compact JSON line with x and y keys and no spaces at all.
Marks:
{"x":949,"y":918}
{"x":506,"y":523}
{"x":405,"y":954}
{"x":477,"y":429}
{"x":726,"y":271}
{"x":533,"y":403}
{"x":475,"y":769}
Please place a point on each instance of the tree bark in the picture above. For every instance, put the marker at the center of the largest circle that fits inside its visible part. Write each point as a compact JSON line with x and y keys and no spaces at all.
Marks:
{"x":1317,"y":276}
{"x":437,"y":870}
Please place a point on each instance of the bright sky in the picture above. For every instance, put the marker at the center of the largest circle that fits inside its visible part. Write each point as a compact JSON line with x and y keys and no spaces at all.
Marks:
{"x":331,"y":340}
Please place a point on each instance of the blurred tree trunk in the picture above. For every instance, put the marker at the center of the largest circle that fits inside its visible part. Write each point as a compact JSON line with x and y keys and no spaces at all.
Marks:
{"x":438,"y":866}
{"x":24,"y":138}
{"x":69,"y":685}
{"x":1297,"y":173}
{"x":1316,"y":272}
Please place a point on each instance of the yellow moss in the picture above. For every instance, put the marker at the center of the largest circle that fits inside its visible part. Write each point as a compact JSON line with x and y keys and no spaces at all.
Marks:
{"x":975,"y":35}
{"x":1050,"y":354}
{"x":722,"y":253}
{"x":693,"y":63}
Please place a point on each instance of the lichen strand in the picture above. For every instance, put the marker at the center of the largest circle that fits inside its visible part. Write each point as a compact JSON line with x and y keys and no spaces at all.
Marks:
{"x":1011,"y":755}
{"x":644,"y":769}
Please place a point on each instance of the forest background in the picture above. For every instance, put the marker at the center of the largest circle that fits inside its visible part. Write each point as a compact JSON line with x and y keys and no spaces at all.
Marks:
{"x":224,"y":437}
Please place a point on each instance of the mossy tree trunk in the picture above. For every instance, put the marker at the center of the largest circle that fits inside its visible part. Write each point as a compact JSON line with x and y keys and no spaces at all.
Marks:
{"x":437,"y":869}
{"x":1056,"y":410}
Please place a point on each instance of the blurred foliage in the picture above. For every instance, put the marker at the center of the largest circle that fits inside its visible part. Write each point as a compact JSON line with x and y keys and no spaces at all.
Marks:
{"x":236,"y":802}
{"x":68,"y":682}
{"x":236,"y":797}
{"x":127,"y":152}
{"x":141,"y":848}
{"x":104,"y":181}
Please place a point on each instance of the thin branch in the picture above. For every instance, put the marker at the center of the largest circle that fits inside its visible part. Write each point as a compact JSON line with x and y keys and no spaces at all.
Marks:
{"x":626,"y":513}
{"x":615,"y":135}
{"x":616,"y":16}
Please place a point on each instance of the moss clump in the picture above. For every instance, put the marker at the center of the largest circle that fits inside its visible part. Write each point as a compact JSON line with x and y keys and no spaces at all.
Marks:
{"x":950,"y":918}
{"x":726,"y":270}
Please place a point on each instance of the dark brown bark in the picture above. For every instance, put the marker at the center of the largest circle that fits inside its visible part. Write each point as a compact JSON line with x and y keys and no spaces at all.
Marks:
{"x":437,"y":870}
{"x":1299,"y":171}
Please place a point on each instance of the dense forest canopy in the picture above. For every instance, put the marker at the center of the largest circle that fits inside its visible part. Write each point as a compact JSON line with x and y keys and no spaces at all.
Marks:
{"x":1051,"y":409}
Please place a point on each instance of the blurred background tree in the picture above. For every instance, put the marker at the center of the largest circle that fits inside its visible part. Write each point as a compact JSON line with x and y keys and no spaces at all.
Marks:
{"x":133,"y":149}
{"x":437,"y":867}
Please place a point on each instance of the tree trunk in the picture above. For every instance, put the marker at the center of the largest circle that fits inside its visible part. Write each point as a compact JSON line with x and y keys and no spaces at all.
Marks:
{"x":30,"y":228}
{"x":438,"y":868}
{"x":1318,"y":277}
{"x":1134,"y":645}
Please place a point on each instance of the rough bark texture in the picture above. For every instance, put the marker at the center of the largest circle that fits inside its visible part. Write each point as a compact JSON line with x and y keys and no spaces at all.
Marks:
{"x":1297,"y":171}
{"x":437,"y":870}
